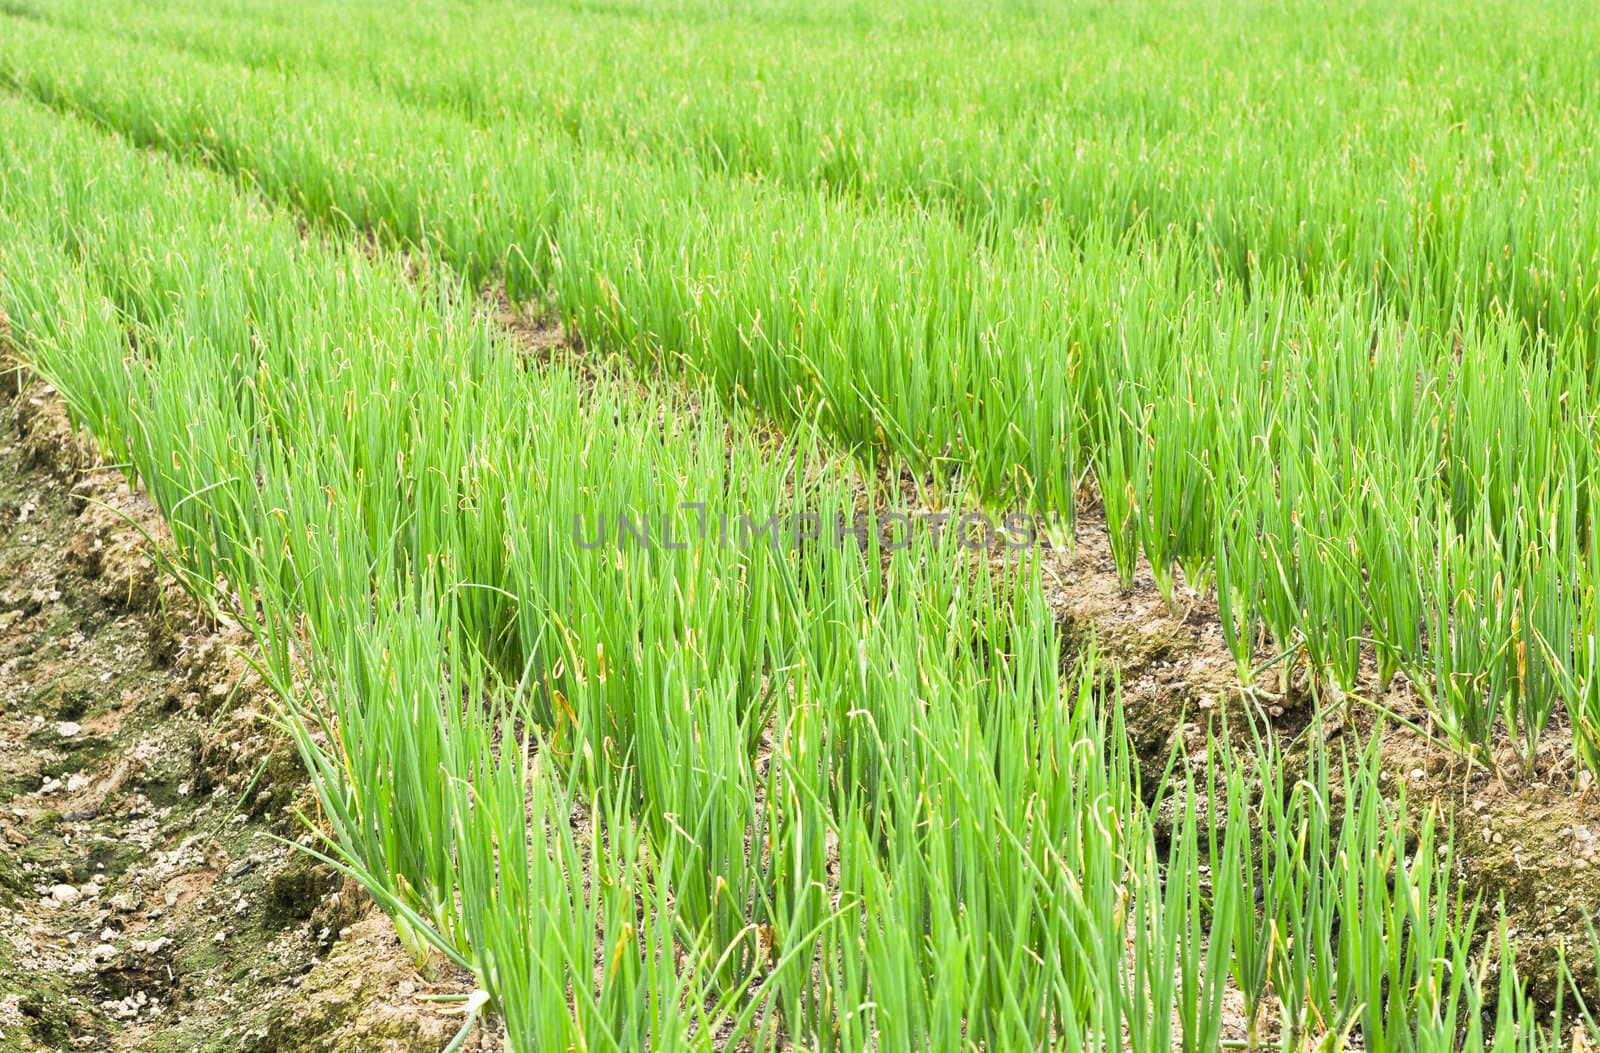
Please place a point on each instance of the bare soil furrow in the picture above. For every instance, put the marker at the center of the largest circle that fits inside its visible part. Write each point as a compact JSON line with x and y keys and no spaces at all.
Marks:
{"x":146,"y":899}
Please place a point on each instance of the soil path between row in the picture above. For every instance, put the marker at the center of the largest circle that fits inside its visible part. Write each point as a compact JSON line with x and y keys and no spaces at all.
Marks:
{"x":146,"y":902}
{"x":146,"y":899}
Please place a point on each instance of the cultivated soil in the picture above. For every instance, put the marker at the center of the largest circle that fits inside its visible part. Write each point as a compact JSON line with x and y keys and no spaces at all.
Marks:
{"x":148,"y":900}
{"x":1527,"y":835}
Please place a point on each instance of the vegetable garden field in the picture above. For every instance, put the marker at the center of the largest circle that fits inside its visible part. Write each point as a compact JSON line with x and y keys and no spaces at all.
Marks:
{"x":841,"y":525}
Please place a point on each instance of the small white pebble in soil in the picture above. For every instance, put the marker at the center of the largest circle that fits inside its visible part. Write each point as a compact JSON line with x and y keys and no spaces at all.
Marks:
{"x":68,"y":729}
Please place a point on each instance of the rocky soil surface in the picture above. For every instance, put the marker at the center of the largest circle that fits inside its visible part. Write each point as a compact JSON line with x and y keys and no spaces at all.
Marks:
{"x":149,"y":899}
